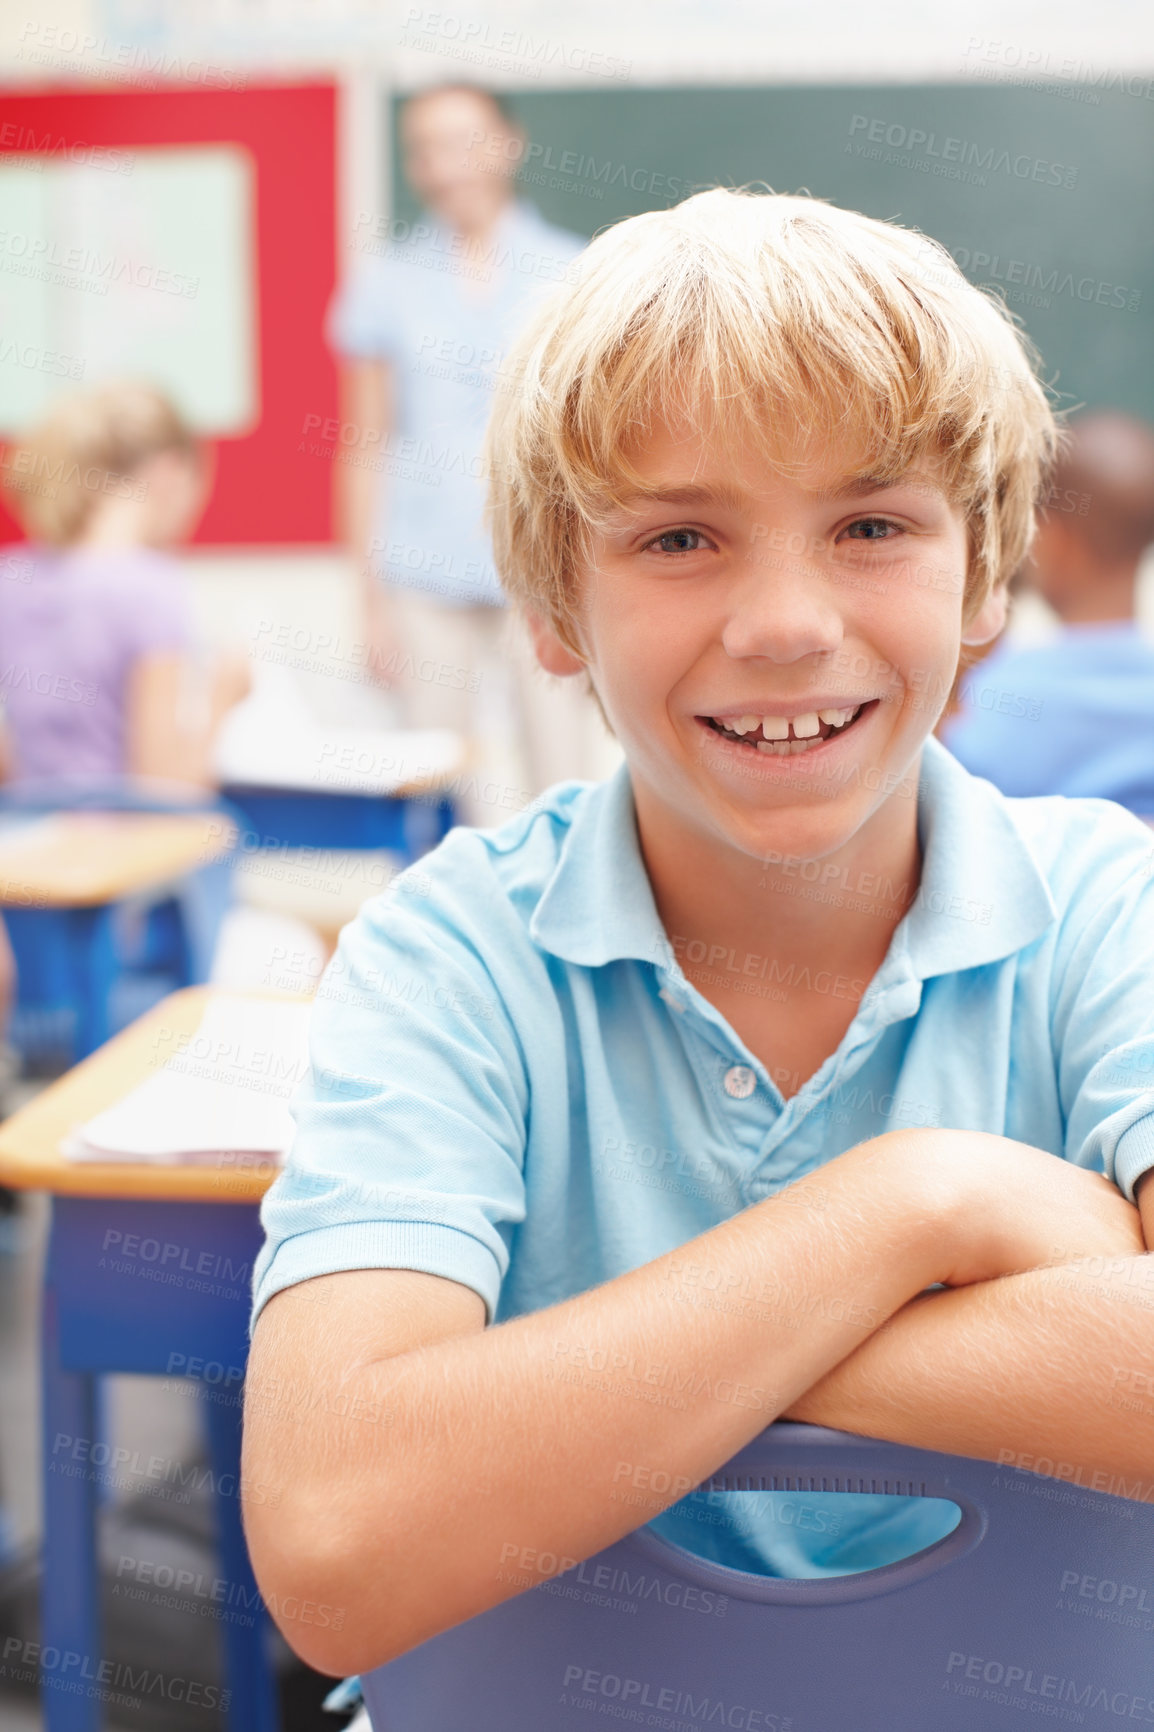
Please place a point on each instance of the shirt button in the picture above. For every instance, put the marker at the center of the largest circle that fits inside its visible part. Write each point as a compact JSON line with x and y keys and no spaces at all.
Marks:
{"x":740,"y":1082}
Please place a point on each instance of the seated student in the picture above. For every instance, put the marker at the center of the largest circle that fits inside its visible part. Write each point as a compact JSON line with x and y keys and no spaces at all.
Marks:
{"x":696,"y":1081}
{"x":1075,"y":715}
{"x":98,"y":675}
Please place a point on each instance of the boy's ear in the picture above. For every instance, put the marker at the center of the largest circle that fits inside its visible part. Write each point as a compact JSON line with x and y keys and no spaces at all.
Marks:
{"x":552,"y":654}
{"x":989,"y":619}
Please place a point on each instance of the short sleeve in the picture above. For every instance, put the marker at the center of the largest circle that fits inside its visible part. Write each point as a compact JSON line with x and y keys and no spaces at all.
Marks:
{"x":364,"y":320}
{"x":411,"y":1128}
{"x":1103,"y":1020}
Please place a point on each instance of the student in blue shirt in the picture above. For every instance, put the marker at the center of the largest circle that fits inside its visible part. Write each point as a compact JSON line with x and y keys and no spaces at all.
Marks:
{"x":1075,"y":714}
{"x":790,"y":1072}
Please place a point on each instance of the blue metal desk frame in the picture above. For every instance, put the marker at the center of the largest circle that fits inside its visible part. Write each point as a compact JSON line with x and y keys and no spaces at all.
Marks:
{"x":100,"y":1319}
{"x":70,"y":954}
{"x":293,"y":818}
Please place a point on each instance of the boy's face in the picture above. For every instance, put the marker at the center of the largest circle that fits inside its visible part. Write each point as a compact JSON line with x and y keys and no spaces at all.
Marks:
{"x":732,"y":602}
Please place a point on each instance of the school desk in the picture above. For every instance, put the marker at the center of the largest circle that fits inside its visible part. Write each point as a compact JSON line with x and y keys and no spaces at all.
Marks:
{"x":61,"y":877}
{"x":148,"y":1270}
{"x":344,"y":788}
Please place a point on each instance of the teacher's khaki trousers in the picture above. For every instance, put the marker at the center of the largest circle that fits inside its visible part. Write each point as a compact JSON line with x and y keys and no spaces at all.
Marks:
{"x":473,"y":669}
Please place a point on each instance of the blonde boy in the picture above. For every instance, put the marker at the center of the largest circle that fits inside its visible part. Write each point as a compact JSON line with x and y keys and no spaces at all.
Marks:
{"x":793,"y":1071}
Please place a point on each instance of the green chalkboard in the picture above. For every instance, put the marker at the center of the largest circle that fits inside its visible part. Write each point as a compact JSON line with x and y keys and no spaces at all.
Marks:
{"x":1046,"y":191}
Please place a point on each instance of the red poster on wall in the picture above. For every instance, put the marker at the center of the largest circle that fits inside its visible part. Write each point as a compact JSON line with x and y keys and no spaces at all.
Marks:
{"x":278,"y":240}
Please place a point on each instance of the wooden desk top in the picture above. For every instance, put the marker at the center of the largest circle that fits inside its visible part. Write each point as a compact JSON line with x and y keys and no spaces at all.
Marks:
{"x":80,"y":859}
{"x":30,"y":1157}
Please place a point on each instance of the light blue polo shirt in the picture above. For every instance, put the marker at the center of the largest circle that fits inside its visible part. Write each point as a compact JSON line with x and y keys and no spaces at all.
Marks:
{"x":444,"y":323}
{"x":515,"y":1085}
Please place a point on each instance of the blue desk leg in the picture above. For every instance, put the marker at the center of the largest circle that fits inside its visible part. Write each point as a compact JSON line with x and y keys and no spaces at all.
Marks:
{"x":253,"y":1705}
{"x":69,"y":1603}
{"x":66,"y":966}
{"x":92,"y":941}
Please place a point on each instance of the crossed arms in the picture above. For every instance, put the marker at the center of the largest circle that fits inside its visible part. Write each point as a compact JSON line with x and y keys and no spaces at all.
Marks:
{"x":1051,"y":1369}
{"x":397,"y":1452}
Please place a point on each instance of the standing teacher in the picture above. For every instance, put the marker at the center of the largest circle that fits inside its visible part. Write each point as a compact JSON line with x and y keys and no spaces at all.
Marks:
{"x":423,"y":326}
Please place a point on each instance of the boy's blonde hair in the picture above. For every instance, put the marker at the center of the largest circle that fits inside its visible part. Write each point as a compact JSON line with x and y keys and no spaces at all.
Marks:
{"x":87,"y":448}
{"x":781,"y":319}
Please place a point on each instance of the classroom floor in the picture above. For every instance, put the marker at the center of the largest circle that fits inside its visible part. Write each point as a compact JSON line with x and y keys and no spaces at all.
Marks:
{"x":22,"y":1238}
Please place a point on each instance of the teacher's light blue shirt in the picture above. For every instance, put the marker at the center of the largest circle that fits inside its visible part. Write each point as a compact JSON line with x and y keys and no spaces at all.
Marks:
{"x":444,"y":323}
{"x":516,"y":1087}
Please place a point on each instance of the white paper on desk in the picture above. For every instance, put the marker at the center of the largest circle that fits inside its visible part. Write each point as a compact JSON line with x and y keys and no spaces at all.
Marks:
{"x":278,"y":745}
{"x":224,"y":1089}
{"x":19,"y":832}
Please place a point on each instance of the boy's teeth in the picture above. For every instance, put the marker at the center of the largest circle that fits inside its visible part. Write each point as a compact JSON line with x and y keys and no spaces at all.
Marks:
{"x":777,"y":735}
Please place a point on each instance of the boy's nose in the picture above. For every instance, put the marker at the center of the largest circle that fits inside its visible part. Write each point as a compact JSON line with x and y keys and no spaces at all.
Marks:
{"x":782,"y":607}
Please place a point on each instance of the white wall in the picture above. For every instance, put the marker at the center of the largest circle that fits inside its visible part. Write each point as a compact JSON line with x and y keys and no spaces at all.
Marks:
{"x":556,"y":42}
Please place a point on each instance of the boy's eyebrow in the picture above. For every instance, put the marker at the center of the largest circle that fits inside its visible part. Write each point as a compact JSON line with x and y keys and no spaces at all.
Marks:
{"x":692,"y":493}
{"x":734,"y":498}
{"x":860,"y":484}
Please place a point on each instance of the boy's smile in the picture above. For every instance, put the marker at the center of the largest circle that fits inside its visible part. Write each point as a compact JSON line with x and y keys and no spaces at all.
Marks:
{"x":782,"y":735}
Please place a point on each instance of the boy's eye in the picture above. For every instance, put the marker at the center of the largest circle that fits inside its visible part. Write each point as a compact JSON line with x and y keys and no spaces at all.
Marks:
{"x":872,"y":529}
{"x":677,"y":541}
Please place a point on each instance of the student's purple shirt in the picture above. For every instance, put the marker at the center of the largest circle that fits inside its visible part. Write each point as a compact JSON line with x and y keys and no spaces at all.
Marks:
{"x":73,"y":622}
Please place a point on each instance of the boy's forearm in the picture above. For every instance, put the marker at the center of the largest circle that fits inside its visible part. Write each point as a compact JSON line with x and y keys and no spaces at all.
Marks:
{"x":1054,"y":1365}
{"x":551,"y":1436}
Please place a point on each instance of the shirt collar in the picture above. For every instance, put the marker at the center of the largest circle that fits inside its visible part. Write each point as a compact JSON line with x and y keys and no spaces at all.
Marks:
{"x":597,"y":905}
{"x":982,"y":895}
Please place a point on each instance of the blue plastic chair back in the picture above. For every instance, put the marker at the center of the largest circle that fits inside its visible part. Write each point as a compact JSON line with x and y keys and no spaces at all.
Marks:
{"x":1037,"y":1609}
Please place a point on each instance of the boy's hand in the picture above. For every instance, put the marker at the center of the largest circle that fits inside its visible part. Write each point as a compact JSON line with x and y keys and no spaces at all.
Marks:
{"x":1015,"y":1207}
